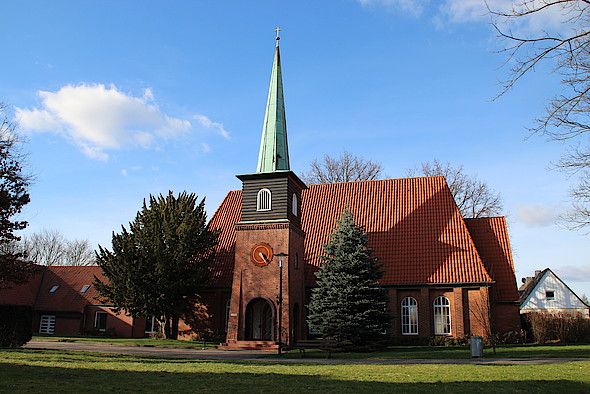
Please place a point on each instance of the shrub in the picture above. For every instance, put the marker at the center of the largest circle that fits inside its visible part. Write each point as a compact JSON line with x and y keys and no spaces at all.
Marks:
{"x":512,"y":337}
{"x":16,"y":325}
{"x":562,"y":327}
{"x":448,"y":341}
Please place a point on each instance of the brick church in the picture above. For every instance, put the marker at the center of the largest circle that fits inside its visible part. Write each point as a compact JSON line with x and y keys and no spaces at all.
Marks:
{"x":445,"y":275}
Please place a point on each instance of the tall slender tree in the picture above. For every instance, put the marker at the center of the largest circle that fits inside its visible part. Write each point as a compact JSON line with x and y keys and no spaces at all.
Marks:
{"x":348,"y":304}
{"x":158,"y":266}
{"x":14,"y":196}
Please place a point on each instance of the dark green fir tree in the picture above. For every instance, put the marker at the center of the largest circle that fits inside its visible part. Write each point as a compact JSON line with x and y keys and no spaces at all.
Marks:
{"x":348,"y":304}
{"x":158,"y":266}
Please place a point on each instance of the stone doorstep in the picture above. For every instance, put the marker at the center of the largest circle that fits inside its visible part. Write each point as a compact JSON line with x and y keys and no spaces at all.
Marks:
{"x":249,"y":345}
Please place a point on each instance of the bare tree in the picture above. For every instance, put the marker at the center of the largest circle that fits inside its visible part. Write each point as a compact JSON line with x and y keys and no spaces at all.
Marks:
{"x":480,"y":313}
{"x":474,"y":198}
{"x":50,"y":247}
{"x":79,"y":252}
{"x":46,"y":247}
{"x":567,"y":50}
{"x":345,"y":168}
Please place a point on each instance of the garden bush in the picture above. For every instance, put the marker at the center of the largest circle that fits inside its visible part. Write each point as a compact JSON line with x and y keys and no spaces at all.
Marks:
{"x":16,"y":325}
{"x":562,"y":327}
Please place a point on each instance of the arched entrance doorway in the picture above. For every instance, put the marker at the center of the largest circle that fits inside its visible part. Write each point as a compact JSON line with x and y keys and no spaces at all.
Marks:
{"x":259,"y":320}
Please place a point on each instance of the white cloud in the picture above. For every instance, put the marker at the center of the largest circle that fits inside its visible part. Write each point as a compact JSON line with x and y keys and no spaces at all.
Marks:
{"x":537,"y":215}
{"x":413,"y":7}
{"x":444,"y":12}
{"x":205,"y":147}
{"x":125,"y":171}
{"x":99,"y":118}
{"x":574,"y":273}
{"x":458,"y":11}
{"x":209,"y":124}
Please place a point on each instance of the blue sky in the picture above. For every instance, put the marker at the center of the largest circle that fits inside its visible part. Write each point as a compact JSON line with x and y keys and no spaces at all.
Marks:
{"x":120,"y":99}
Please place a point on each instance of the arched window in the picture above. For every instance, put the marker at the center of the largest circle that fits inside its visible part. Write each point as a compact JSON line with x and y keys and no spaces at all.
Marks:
{"x":294,"y":208}
{"x":264,"y":200}
{"x":409,"y":316}
{"x":442,"y":316}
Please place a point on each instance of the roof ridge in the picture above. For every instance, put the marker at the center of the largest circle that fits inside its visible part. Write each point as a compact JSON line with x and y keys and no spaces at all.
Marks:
{"x":414,"y":178}
{"x":488,"y":217}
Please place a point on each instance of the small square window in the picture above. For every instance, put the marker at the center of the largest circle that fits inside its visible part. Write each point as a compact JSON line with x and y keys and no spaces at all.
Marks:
{"x":100,"y":321}
{"x":53,"y":289}
{"x":85,"y":288}
{"x":550,"y":295}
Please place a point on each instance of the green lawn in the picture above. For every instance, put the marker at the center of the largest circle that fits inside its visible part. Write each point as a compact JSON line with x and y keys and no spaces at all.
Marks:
{"x":147,"y":342}
{"x":51,"y":371}
{"x":425,"y":352}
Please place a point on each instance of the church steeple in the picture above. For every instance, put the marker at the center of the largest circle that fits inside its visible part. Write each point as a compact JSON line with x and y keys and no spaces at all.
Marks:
{"x":274,"y":152}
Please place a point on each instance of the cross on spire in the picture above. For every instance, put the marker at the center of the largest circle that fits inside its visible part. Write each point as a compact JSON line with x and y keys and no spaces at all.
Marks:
{"x":274,"y":152}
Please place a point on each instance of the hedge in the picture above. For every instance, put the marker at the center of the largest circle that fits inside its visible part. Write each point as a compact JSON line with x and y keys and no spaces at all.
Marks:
{"x":562,"y":327}
{"x":16,"y":324}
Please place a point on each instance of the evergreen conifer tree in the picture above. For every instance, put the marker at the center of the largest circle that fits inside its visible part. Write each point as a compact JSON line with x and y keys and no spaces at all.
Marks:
{"x":157,"y":267}
{"x":348,"y":304}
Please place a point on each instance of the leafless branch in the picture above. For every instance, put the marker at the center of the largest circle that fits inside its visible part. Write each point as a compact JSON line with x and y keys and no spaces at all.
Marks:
{"x":474,"y":198}
{"x":567,"y":116}
{"x":346,"y":168}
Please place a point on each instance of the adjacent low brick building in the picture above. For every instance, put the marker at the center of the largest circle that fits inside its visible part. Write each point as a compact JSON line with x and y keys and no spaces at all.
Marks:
{"x":65,"y":302}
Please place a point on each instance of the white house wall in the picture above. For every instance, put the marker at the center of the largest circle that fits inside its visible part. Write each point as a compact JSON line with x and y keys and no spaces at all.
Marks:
{"x":564,"y":301}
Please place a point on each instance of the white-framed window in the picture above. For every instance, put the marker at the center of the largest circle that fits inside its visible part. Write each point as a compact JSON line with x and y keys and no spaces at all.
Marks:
{"x":294,"y":205}
{"x":47,"y":324}
{"x":442,"y":316}
{"x":550,"y":295}
{"x":100,"y":321}
{"x":151,"y":325}
{"x":53,"y":289}
{"x":409,"y":316}
{"x":84,"y":289}
{"x":264,"y":200}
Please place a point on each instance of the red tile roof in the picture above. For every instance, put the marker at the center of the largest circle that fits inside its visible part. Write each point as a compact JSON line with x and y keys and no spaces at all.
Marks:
{"x":414,"y":228}
{"x":224,"y":220}
{"x":493,"y":244}
{"x":68,"y":297}
{"x":22,"y":294}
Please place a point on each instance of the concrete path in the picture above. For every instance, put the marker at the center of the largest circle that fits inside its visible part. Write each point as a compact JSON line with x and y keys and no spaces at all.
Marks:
{"x":256,"y":355}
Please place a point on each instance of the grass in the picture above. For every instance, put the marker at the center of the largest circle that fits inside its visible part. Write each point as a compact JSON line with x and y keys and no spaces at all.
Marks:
{"x":144,"y":342}
{"x":425,"y":352}
{"x":51,"y":371}
{"x":394,"y":352}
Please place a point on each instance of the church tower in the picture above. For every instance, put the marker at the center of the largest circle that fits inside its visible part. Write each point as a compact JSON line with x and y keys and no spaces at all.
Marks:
{"x":268,"y":288}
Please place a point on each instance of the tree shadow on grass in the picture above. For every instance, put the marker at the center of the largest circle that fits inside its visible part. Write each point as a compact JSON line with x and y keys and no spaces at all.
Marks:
{"x":31,"y":379}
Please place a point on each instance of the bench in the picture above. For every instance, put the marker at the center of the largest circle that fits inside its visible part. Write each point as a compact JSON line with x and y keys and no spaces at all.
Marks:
{"x":326,"y":345}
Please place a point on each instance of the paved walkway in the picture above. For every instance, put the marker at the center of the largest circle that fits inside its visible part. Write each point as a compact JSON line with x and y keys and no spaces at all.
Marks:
{"x":256,"y":355}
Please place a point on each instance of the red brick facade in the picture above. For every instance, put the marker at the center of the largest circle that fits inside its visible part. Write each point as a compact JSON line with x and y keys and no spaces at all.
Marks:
{"x":253,"y":282}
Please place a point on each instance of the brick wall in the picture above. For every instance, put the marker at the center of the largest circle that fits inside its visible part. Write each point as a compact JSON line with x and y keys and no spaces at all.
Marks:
{"x":251,"y":282}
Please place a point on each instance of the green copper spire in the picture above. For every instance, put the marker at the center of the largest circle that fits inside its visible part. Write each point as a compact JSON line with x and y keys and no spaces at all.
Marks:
{"x":274,"y":152}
